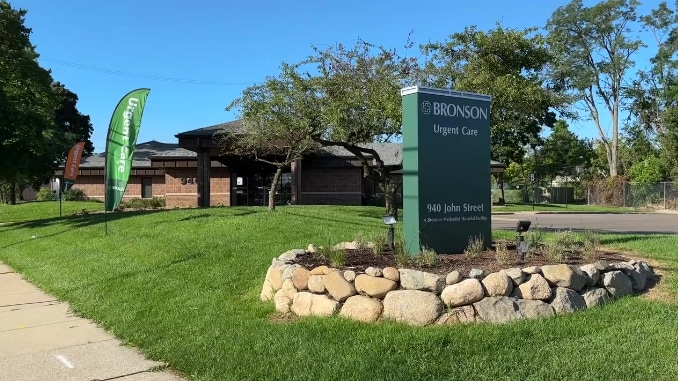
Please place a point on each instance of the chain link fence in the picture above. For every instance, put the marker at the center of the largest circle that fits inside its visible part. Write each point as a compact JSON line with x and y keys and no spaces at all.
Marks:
{"x":662,"y":195}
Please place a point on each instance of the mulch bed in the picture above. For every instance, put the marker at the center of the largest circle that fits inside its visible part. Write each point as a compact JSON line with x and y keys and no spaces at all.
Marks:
{"x":359,"y":260}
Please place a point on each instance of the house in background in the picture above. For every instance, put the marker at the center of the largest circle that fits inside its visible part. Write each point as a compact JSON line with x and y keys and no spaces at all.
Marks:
{"x":195,"y":172}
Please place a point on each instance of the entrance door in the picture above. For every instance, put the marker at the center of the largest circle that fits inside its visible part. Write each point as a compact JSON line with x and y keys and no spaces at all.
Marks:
{"x":254,"y":189}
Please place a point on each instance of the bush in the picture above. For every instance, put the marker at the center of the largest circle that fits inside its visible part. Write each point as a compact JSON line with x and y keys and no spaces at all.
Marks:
{"x":144,"y":203}
{"x":74,"y":194}
{"x":45,"y":194}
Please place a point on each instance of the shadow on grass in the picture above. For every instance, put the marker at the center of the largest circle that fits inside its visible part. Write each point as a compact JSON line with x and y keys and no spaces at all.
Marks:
{"x":321,"y":218}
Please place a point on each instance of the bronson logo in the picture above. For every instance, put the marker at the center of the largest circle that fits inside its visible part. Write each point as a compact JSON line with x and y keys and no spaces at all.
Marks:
{"x":426,"y":107}
{"x":459,"y":111}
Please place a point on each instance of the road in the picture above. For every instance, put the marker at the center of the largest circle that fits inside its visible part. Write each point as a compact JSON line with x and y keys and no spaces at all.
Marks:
{"x":604,"y":223}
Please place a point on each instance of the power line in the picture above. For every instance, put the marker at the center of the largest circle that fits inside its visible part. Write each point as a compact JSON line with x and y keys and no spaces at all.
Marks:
{"x":139,"y":75}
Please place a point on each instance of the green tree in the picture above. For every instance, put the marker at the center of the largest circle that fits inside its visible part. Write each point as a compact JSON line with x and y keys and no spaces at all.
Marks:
{"x":593,"y":49}
{"x":563,"y":152}
{"x":508,"y":65}
{"x":648,"y":171}
{"x":71,"y":121}
{"x":278,"y":118}
{"x":360,"y":105}
{"x":27,"y":103}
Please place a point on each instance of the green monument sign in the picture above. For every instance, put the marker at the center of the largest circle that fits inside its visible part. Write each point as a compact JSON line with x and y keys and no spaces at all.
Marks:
{"x":446,"y":169}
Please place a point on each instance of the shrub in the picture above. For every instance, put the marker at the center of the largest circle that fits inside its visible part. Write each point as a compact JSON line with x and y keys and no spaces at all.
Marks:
{"x":427,"y":257}
{"x":553,"y":252}
{"x":400,"y":254}
{"x":475,"y":247}
{"x":361,"y":241}
{"x":144,"y":203}
{"x":45,"y":194}
{"x":502,"y":254}
{"x":379,"y":241}
{"x":74,"y":194}
{"x":337,"y":257}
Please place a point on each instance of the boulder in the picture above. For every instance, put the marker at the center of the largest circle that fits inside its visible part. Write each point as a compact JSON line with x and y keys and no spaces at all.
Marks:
{"x":291,"y":255}
{"x":564,"y":276}
{"x":316,"y":284}
{"x":531,"y":309}
{"x":349,"y":275}
{"x":456,"y":315}
{"x":566,"y":300}
{"x":619,"y":266}
{"x":362,"y":308}
{"x":616,"y":283}
{"x":272,"y":283}
{"x":274,"y":276}
{"x":320,"y":270}
{"x":287,"y":271}
{"x":532,"y":270}
{"x":646,"y":269}
{"x":476,"y":273}
{"x":373,"y":271}
{"x":517,"y":275}
{"x":420,"y":280}
{"x":374,"y":287}
{"x":300,"y":278}
{"x":288,"y":288}
{"x":592,"y":274}
{"x":307,"y":304}
{"x":638,"y":279}
{"x":311,"y":248}
{"x":497,"y":284}
{"x":282,"y":302}
{"x":413,"y":307}
{"x":499,"y":309}
{"x":601,"y":265}
{"x":338,"y":287}
{"x":536,"y":288}
{"x":453,"y":277}
{"x":595,"y":296}
{"x":466,"y":292}
{"x":391,"y":273}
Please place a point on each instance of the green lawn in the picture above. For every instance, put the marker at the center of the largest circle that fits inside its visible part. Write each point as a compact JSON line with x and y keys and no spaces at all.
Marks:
{"x":560,"y":208}
{"x":183,"y":285}
{"x":36,"y":210}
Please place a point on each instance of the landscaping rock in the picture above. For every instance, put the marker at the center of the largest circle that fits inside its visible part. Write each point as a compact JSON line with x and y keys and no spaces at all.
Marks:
{"x":466,"y":292}
{"x":497,"y":284}
{"x":517,"y":275}
{"x":536,"y":288}
{"x":282,"y":302}
{"x":312,"y":249}
{"x":532,"y":270}
{"x":349,"y":275}
{"x":601,"y":265}
{"x":595,"y":297}
{"x":412,"y":307}
{"x":306,"y":304}
{"x":362,"y":308}
{"x":420,"y":280}
{"x":531,"y":309}
{"x":592,"y":274}
{"x":288,"y":288}
{"x":476,"y":273}
{"x":646,"y":269}
{"x":616,"y":283}
{"x":619,"y":266}
{"x":320,"y":270}
{"x":286,"y":271}
{"x":300,"y":278}
{"x":638,"y":279}
{"x":564,"y":276}
{"x":457,"y":315}
{"x":316,"y":284}
{"x":500,"y":309}
{"x":291,"y":255}
{"x":373,"y":271}
{"x":338,"y":287}
{"x":391,"y":273}
{"x":353,"y":245}
{"x":374,"y":287}
{"x":271,"y":280}
{"x":566,"y":300}
{"x":275,"y":277}
{"x":453,"y":277}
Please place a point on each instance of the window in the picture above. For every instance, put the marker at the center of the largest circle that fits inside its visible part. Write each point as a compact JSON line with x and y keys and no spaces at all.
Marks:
{"x":146,"y":187}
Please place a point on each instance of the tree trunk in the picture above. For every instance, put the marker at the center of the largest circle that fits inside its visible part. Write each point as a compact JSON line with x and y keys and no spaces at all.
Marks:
{"x":12,"y":192}
{"x":502,"y":200}
{"x":390,"y":191}
{"x":274,"y":186}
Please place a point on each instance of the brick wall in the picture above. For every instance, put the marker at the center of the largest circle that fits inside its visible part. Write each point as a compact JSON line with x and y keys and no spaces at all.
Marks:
{"x":93,"y":186}
{"x":220,"y":187}
{"x":338,"y":186}
{"x":181,"y":187}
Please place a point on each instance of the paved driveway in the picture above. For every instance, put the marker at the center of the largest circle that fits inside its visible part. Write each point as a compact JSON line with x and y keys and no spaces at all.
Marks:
{"x":604,"y":223}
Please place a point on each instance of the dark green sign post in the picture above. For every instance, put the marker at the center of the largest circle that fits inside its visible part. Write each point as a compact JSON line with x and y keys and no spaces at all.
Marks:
{"x":446,"y":169}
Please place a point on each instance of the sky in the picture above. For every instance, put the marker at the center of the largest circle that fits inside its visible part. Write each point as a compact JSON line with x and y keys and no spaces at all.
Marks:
{"x":198,"y":56}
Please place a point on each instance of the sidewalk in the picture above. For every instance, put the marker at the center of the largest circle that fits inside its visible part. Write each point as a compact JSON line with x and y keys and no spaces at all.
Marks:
{"x":40,"y":340}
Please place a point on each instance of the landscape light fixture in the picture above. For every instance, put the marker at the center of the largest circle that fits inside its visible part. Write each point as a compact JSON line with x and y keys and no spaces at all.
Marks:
{"x":521,"y":246}
{"x":390,"y":221}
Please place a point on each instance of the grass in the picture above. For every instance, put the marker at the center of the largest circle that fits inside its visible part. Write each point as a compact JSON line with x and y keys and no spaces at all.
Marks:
{"x":37,"y":210}
{"x":560,"y":208}
{"x":183,"y":285}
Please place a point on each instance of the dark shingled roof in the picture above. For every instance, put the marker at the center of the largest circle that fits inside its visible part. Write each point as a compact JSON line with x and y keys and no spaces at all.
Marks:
{"x":142,"y":154}
{"x":233,"y":126}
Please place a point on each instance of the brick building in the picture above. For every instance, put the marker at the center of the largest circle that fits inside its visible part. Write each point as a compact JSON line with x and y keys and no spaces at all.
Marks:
{"x":195,"y":173}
